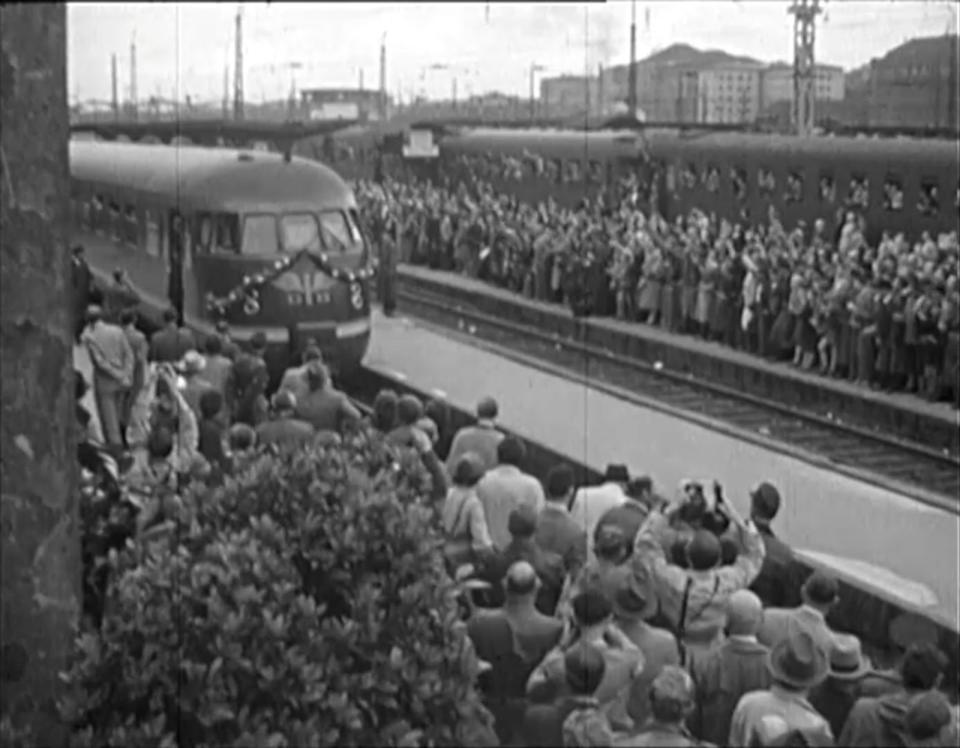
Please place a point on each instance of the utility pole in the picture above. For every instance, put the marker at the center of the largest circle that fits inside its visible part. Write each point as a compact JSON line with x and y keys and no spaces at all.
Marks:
{"x":534,"y":69}
{"x":360,"y":81}
{"x":133,"y":79}
{"x":226,"y":91}
{"x":238,"y":68}
{"x":114,"y":100}
{"x":804,"y":67}
{"x":632,"y":70}
{"x":383,"y":78}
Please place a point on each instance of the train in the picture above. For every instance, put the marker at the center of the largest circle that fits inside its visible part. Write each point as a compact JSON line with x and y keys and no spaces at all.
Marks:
{"x":268,"y":242}
{"x":907,"y":185}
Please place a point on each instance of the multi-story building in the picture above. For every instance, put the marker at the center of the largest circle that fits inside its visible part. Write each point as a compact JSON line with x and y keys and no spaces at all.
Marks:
{"x":681,"y":83}
{"x":777,"y":83}
{"x":915,"y":85}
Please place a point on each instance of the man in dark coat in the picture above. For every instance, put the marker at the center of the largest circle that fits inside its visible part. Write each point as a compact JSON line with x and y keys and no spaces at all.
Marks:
{"x":557,"y":532}
{"x":284,"y":430}
{"x":171,"y":343}
{"x":778,"y":584}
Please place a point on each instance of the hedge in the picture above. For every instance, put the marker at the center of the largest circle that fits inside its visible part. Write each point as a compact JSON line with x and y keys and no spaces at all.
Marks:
{"x":303,"y":603}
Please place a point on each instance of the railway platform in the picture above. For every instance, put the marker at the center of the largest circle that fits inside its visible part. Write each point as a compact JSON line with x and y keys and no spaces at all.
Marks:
{"x":873,"y":537}
{"x":906,"y":416}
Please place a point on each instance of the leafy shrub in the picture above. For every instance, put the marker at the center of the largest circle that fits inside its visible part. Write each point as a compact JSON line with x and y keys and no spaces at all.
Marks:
{"x":303,"y":603}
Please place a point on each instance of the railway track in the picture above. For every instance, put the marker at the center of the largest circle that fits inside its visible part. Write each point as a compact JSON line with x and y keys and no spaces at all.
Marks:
{"x":916,"y":465}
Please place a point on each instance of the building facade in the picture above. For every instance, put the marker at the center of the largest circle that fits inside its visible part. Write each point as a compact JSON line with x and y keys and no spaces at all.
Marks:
{"x":915,"y":85}
{"x":777,"y":84}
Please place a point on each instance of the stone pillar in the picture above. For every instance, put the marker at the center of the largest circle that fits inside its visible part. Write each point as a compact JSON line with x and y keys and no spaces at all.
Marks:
{"x":39,"y":536}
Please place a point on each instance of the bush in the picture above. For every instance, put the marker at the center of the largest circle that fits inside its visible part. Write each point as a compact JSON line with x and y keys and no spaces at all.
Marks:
{"x":303,"y":603}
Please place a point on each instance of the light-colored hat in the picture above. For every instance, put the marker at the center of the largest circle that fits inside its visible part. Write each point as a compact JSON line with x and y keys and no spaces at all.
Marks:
{"x":846,"y":659}
{"x":798,"y":661}
{"x":192,"y":363}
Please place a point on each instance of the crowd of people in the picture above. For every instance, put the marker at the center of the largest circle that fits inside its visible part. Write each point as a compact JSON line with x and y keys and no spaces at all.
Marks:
{"x":885,"y":316}
{"x":605,"y":615}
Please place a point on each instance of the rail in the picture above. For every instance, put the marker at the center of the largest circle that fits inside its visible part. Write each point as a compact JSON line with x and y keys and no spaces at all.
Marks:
{"x":923,"y":473}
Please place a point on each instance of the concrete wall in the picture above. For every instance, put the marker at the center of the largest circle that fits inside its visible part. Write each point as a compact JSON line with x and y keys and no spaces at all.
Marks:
{"x":40,"y":565}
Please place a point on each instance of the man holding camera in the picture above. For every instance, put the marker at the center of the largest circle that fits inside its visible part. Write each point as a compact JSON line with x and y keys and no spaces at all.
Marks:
{"x":693,"y":599}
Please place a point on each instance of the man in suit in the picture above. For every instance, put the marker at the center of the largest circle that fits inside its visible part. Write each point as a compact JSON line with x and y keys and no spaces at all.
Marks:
{"x":735,"y":668}
{"x":522,"y":526}
{"x":630,"y":515}
{"x":507,"y":487}
{"x":513,"y":639}
{"x":556,"y":530}
{"x":819,"y":594}
{"x":778,"y":584}
{"x":284,"y":430}
{"x":591,"y":503}
{"x":482,"y":439}
{"x":113,"y":369}
{"x":171,"y":342}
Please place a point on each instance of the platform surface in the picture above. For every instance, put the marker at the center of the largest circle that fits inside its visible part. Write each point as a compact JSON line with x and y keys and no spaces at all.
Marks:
{"x":901,"y":400}
{"x":904,"y":551}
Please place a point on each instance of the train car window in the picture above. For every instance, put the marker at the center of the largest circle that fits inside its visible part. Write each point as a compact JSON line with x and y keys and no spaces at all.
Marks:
{"x":794,"y":191}
{"x":688,"y":177}
{"x":766,"y":182}
{"x":299,"y":231}
{"x":893,"y":194}
{"x":338,"y":233}
{"x":827,"y":189}
{"x":204,"y":232}
{"x":711,"y":178}
{"x":929,"y":202}
{"x":226,"y":233}
{"x":738,"y":183}
{"x":260,"y":235}
{"x":572,"y":171}
{"x":859,"y":193}
{"x":131,"y":226}
{"x":595,"y":171}
{"x":153,"y":239}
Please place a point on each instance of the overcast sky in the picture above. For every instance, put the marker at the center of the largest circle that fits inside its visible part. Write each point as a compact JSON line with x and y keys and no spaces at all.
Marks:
{"x":183,"y":48}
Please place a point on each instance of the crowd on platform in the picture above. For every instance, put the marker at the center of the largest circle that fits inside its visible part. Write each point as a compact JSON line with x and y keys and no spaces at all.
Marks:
{"x":885,"y":316}
{"x":605,"y":614}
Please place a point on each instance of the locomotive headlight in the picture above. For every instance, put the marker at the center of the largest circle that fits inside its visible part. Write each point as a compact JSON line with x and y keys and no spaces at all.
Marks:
{"x":356,"y":296}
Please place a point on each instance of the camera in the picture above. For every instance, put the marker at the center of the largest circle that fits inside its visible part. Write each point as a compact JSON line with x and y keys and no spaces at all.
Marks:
{"x":702,"y":507}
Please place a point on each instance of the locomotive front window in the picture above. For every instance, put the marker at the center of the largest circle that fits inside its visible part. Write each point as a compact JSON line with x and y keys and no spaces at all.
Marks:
{"x":338,"y":233}
{"x":300,"y":232}
{"x":260,"y":235}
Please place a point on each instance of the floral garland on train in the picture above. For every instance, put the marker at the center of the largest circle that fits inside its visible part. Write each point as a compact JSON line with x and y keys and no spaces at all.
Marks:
{"x":249,"y":289}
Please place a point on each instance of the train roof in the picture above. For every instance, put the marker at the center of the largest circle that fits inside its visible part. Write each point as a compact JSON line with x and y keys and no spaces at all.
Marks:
{"x":548,"y":142}
{"x":921,"y":152}
{"x":214,"y":179}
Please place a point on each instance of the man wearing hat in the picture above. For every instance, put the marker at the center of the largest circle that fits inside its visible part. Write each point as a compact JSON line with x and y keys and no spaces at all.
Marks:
{"x":835,"y":697}
{"x":736,"y":667}
{"x":284,"y":430}
{"x":671,"y":697}
{"x":633,"y":603}
{"x":882,"y":721}
{"x":796,"y":665}
{"x":247,"y":383}
{"x":778,"y":584}
{"x":592,"y":502}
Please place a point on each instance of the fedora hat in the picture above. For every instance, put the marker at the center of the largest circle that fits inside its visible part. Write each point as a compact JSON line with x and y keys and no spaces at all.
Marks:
{"x":616,"y":473}
{"x":846,"y":658}
{"x":634,"y":599}
{"x":798,"y":661}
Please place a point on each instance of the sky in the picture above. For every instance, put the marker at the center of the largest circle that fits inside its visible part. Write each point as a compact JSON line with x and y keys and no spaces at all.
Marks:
{"x":183,"y":48}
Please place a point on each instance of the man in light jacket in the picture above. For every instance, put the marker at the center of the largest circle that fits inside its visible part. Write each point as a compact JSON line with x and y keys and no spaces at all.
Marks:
{"x":695,"y":600}
{"x":591,"y":503}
